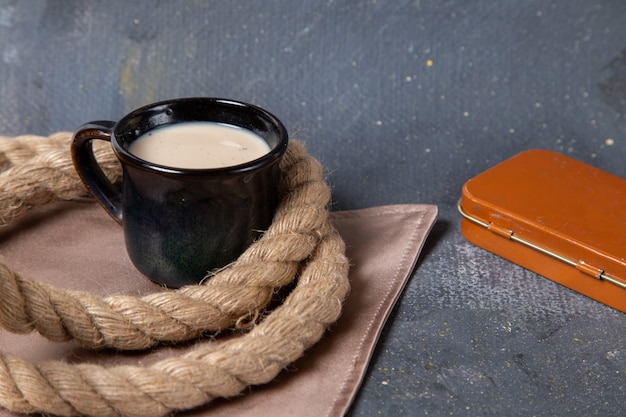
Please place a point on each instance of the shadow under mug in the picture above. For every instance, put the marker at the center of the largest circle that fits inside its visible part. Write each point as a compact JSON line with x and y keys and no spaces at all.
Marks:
{"x":179,"y":224}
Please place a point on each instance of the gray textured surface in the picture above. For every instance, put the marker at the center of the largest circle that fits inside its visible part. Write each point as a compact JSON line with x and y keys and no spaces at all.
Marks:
{"x":402,"y":101}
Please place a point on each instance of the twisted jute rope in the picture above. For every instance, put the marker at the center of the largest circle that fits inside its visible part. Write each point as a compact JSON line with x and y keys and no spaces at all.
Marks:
{"x":300,"y":247}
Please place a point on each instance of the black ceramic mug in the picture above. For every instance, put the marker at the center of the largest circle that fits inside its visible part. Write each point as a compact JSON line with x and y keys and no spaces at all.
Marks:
{"x":181,"y":223}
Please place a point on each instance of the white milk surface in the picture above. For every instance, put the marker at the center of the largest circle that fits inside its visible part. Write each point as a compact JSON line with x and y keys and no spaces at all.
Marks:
{"x":199,"y":145}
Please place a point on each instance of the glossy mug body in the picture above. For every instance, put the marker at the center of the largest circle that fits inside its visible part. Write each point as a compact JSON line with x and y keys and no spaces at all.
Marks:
{"x":178,"y":223}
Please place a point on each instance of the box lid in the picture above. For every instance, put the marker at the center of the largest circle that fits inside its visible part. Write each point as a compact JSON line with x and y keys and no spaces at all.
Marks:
{"x":567,"y":209}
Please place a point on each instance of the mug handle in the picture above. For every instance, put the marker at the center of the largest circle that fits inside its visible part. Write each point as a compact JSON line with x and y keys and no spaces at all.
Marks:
{"x":109,"y":196}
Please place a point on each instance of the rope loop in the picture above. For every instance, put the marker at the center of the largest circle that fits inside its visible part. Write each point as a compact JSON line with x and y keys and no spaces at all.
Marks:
{"x":300,"y":248}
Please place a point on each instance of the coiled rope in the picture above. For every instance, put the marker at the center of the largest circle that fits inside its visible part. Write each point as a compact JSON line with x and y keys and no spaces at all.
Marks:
{"x":300,"y":246}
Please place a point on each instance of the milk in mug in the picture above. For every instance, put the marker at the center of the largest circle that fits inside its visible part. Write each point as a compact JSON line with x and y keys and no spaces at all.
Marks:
{"x":199,"y":145}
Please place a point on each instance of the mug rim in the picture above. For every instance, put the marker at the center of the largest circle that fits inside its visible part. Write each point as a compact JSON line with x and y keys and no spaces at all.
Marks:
{"x":240,"y":169}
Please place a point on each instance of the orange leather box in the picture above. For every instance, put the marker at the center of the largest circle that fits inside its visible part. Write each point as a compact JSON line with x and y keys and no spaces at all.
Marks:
{"x":556,"y":216}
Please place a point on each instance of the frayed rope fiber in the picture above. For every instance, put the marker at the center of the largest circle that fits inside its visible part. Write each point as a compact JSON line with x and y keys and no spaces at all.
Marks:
{"x":301,"y":248}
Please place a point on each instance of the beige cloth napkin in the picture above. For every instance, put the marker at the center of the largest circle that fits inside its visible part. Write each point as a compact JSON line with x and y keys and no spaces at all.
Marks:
{"x":76,"y":245}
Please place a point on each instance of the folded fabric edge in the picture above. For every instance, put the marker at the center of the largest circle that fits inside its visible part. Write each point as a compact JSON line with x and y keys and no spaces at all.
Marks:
{"x":423,"y":225}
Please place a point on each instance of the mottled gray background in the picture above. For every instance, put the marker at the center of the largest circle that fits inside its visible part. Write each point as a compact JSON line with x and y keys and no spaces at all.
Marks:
{"x":402,"y":101}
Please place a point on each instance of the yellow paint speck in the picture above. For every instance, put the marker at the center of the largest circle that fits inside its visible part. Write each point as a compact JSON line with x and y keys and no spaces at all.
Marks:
{"x":609,"y":142}
{"x":127,"y":78}
{"x":429,"y":63}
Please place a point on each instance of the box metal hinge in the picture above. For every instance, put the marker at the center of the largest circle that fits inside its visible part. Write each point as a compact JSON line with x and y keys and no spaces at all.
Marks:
{"x":580,"y":265}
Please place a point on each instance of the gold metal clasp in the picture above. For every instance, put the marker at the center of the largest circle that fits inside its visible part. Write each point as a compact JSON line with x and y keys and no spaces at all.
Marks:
{"x":580,"y":265}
